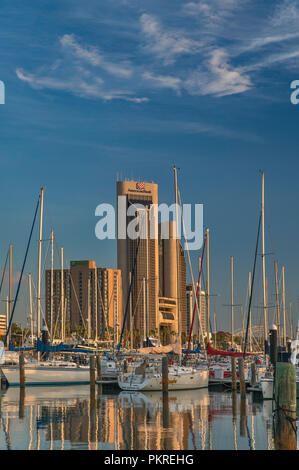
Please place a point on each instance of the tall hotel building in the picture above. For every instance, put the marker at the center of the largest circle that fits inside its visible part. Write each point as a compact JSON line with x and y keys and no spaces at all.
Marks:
{"x":145,"y":286}
{"x":154,"y":296}
{"x":91,"y":298}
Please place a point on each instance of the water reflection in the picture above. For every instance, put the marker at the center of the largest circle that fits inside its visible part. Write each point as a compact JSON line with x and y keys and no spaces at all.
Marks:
{"x":71,"y":418}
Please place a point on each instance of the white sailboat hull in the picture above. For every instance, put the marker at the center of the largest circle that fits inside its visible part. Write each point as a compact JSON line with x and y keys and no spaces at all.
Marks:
{"x":43,"y":375}
{"x":186,"y":381}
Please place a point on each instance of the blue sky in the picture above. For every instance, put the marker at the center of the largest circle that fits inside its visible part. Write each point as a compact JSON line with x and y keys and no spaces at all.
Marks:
{"x":130,"y":87}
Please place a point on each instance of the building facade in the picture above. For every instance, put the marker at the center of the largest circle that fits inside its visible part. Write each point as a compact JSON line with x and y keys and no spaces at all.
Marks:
{"x":3,"y":325}
{"x":143,"y":315}
{"x":89,"y":299}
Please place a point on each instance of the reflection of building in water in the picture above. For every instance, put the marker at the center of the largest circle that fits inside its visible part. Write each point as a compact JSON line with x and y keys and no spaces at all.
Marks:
{"x":127,"y":422}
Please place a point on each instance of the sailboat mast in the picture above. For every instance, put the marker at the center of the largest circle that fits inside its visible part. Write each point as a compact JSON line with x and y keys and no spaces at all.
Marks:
{"x":208,"y":285}
{"x":40,"y":263}
{"x":62,"y":295}
{"x":147,"y":275}
{"x":250,"y":319}
{"x":277,"y":304}
{"x":232,"y":295}
{"x":10,"y":288}
{"x":52,"y":280}
{"x":177,"y":254}
{"x":96,"y":300}
{"x":264,"y":263}
{"x":284,"y":309}
{"x":30,"y":305}
{"x":88,"y":309}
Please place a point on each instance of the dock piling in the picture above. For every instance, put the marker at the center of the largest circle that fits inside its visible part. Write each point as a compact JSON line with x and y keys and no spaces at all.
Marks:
{"x":242,"y":377}
{"x":22,"y":369}
{"x":92,"y":372}
{"x":165,"y":374}
{"x":285,"y":400}
{"x":234,"y":373}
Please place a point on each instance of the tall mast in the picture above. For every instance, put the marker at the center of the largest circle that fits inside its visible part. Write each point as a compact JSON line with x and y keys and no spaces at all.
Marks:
{"x":52,"y":280}
{"x":7,"y":313}
{"x":284,"y":309}
{"x":208,"y":284}
{"x":199,"y":302}
{"x":250,"y":319}
{"x":96,"y":301}
{"x":10,"y":288}
{"x":215,"y":331}
{"x":88,"y":309}
{"x":291,"y":321}
{"x":144,"y":312}
{"x":147,"y":276}
{"x":277,"y":304}
{"x":40,"y":263}
{"x":232,"y":294}
{"x":62,"y":295}
{"x":177,"y":254}
{"x":264,"y":263}
{"x":131,"y":315}
{"x":30,"y":305}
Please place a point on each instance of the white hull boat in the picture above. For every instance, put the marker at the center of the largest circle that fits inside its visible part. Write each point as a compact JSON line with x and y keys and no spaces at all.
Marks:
{"x":47,"y":373}
{"x":179,"y":378}
{"x":266,"y":385}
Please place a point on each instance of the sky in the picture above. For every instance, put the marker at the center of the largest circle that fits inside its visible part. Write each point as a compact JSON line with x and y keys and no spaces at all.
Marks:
{"x":96,"y":91}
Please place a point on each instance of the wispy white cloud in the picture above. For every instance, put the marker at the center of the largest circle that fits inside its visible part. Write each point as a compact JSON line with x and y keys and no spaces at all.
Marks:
{"x":163,"y":81}
{"x":92,"y":56}
{"x":212,"y":11}
{"x":79,"y":74}
{"x":94,"y":88}
{"x":166,"y":44}
{"x":217,"y":77}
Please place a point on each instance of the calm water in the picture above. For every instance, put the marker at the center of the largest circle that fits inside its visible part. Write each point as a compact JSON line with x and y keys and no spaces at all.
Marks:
{"x":66,"y":418}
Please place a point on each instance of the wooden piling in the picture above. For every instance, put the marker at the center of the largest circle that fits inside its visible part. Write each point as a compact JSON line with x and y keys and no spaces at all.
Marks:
{"x":285,"y":400}
{"x":234,"y":373}
{"x":165,"y":374}
{"x":99,"y":367}
{"x":99,"y":373}
{"x":92,"y":372}
{"x":242,"y":377}
{"x":253,"y":374}
{"x":22,"y":369}
{"x":22,"y":403}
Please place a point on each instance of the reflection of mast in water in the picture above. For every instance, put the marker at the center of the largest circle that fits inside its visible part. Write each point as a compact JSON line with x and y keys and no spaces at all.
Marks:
{"x":62,"y":428}
{"x":234,"y":407}
{"x":30,"y":428}
{"x":37,"y":429}
{"x":6,"y":430}
{"x":252,"y":432}
{"x":116,"y":424}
